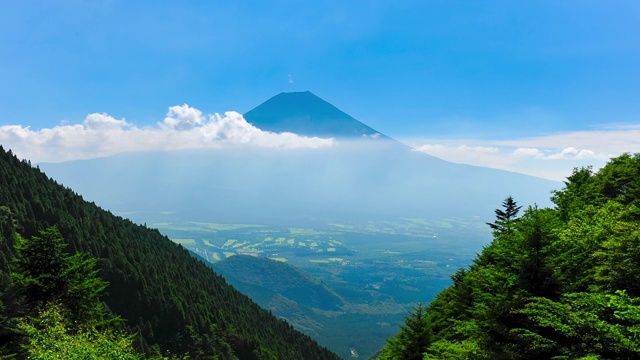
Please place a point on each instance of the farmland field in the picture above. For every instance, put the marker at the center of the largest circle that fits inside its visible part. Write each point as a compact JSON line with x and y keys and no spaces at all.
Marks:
{"x":404,"y":261}
{"x":378,"y":268}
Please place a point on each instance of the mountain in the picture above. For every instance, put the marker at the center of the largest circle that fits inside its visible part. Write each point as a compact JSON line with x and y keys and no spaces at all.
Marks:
{"x":417,"y":213}
{"x":306,"y":114}
{"x":174,"y":302}
{"x":351,"y":181}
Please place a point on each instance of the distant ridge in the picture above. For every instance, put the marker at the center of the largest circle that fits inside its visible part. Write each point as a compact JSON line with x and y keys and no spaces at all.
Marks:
{"x":306,"y":114}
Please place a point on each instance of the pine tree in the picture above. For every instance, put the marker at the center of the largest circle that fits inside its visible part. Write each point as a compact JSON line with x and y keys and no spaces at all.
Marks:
{"x":45,"y":274}
{"x":412,"y":340}
{"x":535,"y":276}
{"x":506,"y":219}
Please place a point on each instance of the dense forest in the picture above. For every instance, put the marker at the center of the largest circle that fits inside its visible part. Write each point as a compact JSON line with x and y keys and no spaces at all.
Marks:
{"x":167,"y":302}
{"x":555,"y":283}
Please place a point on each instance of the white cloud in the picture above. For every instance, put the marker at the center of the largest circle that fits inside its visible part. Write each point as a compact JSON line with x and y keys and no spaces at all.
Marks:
{"x":477,"y":149}
{"x":552,"y":157}
{"x":182,"y":117}
{"x":572,"y":153}
{"x":466,"y":154}
{"x":528,"y":152}
{"x":104,"y":122}
{"x":601,"y":142}
{"x":184,"y":127}
{"x":568,"y":153}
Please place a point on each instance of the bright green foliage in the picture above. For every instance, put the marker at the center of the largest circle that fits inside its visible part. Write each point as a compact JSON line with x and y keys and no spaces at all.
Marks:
{"x":462,"y":350}
{"x":584,"y":324}
{"x":620,"y":180}
{"x":57,"y":313}
{"x":577,"y":193}
{"x":50,"y":337}
{"x":559,"y":283}
{"x":413,"y":338}
{"x":45,"y":274}
{"x":617,"y":261}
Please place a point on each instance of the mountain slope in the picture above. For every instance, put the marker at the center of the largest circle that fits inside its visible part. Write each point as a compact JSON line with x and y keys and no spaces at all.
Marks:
{"x":307,"y":304}
{"x":280,"y":278}
{"x":173,"y":301}
{"x":306,"y":114}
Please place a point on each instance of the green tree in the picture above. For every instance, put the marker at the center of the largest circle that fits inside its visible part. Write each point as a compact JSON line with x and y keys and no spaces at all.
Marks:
{"x":506,"y":219}
{"x":617,"y":260}
{"x":45,"y":274}
{"x":577,"y":192}
{"x":412,"y":340}
{"x":535,"y":276}
{"x":581,"y":325}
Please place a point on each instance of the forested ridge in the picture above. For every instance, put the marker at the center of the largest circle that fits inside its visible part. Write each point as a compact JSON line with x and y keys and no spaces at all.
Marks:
{"x":555,"y":283}
{"x":172,"y":301}
{"x":280,"y":278}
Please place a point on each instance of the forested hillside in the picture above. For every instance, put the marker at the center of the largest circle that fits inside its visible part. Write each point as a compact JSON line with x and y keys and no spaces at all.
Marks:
{"x":561,"y":283}
{"x":280,"y":278}
{"x":171,"y":300}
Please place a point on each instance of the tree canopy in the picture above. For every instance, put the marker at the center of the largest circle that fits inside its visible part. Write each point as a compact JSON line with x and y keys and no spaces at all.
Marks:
{"x":560,"y":283}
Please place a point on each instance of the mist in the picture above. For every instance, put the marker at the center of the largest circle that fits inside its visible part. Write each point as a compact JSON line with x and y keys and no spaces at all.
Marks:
{"x":353,"y":181}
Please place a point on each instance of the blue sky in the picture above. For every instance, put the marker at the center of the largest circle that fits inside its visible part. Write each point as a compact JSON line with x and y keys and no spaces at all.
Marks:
{"x":536,"y":87}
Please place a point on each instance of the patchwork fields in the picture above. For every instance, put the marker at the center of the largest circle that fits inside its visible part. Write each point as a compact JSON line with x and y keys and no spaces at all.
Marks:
{"x":379,"y":268}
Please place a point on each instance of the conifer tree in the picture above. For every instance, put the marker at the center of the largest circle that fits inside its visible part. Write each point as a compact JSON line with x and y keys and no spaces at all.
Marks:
{"x":412,"y":340}
{"x":506,"y":219}
{"x":45,"y":274}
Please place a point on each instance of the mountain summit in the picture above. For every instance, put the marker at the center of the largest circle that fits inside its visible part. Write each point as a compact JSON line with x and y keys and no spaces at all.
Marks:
{"x":306,"y":114}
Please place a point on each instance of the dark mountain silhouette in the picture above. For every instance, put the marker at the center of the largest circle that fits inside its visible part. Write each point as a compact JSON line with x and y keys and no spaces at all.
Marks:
{"x":306,"y":114}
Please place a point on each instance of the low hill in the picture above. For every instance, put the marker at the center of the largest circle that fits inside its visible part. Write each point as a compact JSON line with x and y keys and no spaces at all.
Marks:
{"x":280,"y":278}
{"x":346,"y":328}
{"x":170,"y":299}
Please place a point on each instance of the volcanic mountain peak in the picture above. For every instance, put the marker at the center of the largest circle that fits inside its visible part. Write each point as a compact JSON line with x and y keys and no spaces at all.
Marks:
{"x":306,"y":114}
